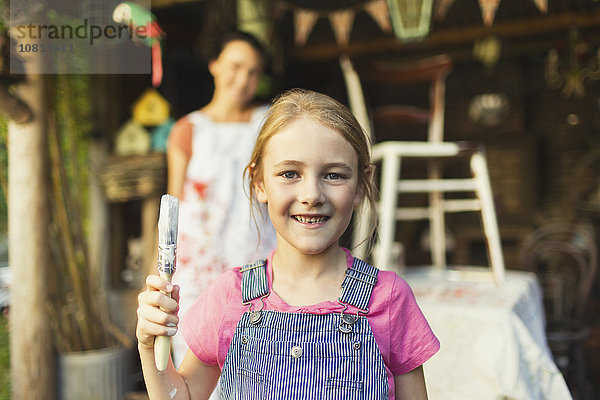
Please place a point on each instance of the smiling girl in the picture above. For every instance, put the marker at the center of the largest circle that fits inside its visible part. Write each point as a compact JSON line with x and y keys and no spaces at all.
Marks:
{"x":310,"y":321}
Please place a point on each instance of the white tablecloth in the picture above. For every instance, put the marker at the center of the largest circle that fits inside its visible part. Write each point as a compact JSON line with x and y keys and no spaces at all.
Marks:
{"x":493,"y":344}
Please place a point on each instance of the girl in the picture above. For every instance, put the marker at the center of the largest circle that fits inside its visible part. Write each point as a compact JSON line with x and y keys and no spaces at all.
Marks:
{"x":310,"y":321}
{"x":207,"y":152}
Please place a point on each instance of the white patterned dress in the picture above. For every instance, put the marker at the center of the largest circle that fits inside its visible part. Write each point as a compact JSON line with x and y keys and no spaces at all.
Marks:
{"x":216,"y":228}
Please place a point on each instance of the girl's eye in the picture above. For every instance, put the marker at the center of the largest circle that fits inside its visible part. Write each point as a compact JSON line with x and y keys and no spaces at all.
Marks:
{"x":289,"y":174}
{"x":334,"y":176}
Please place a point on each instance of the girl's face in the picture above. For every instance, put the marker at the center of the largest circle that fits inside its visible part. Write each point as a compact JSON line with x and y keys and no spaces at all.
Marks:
{"x":310,"y":185}
{"x":237,"y":71}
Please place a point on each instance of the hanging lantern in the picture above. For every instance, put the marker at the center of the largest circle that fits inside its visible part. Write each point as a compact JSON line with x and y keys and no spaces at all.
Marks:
{"x":410,"y":18}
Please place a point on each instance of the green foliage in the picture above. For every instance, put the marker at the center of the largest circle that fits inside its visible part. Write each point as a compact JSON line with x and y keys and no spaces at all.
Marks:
{"x":3,"y":177}
{"x":4,"y":360}
{"x":71,"y":106}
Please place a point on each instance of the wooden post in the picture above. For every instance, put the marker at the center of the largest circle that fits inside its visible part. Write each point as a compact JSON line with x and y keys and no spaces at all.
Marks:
{"x":31,"y":349}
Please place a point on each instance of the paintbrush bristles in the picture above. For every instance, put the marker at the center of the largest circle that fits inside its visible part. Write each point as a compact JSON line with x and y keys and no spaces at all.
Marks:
{"x":167,"y":233}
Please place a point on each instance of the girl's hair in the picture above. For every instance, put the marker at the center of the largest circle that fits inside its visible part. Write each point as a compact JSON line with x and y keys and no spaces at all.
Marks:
{"x":244,"y":37}
{"x":298,"y":103}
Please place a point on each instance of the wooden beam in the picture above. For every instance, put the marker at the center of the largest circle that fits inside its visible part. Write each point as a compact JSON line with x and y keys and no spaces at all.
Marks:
{"x":31,"y":348}
{"x":454,"y":36}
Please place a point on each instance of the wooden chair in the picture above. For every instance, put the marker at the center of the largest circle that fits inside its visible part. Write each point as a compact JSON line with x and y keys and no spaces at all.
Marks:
{"x":564,"y":256}
{"x":391,"y":154}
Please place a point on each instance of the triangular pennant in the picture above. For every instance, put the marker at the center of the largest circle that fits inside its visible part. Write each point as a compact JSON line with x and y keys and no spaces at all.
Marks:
{"x":441,"y":9}
{"x":304,"y":22}
{"x":379,"y":11}
{"x":342,"y":21}
{"x":542,"y":5}
{"x":488,"y":10}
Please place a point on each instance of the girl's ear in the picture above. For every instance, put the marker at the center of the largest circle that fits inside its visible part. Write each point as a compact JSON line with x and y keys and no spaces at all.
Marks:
{"x":360,"y":191}
{"x":259,"y":185}
{"x":259,"y":189}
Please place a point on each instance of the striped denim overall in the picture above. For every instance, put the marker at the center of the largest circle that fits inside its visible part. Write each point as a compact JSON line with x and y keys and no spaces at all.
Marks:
{"x":292,"y":356}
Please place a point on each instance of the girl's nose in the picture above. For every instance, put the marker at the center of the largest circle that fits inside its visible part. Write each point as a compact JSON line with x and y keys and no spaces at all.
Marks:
{"x":311,"y":192}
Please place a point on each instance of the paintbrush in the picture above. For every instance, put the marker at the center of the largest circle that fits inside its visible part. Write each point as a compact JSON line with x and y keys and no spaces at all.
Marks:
{"x":167,"y":255}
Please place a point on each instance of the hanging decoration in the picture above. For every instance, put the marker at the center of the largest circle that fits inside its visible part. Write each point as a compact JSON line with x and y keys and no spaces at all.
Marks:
{"x":304,"y":22}
{"x":581,"y":63}
{"x":341,"y":20}
{"x":410,"y":18}
{"x":542,"y":5}
{"x":136,"y":17}
{"x":379,"y":12}
{"x":488,"y":9}
{"x":487,"y":50}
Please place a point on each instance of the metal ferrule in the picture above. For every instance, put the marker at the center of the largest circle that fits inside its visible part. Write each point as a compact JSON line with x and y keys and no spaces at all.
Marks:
{"x":167,"y":258}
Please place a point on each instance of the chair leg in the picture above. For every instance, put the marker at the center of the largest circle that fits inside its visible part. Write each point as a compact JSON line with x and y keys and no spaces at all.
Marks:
{"x":387,"y":212}
{"x":488,"y":215}
{"x":580,"y":372}
{"x":437,"y":229}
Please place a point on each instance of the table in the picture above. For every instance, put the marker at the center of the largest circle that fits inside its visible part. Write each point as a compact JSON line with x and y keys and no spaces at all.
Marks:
{"x":493,"y":343}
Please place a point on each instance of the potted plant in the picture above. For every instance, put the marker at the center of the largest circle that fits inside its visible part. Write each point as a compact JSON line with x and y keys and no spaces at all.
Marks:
{"x":93,"y":353}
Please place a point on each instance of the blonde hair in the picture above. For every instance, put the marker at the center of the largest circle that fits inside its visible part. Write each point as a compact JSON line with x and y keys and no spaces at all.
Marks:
{"x":298,"y":103}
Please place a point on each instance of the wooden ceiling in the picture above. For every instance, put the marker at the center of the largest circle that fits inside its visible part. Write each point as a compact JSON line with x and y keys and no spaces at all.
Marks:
{"x":519,"y":24}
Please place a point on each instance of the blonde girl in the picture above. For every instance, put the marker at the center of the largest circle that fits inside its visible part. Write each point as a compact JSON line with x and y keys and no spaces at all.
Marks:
{"x":310,"y":321}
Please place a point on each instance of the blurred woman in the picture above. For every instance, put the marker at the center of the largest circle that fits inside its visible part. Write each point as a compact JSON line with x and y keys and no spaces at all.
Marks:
{"x":206,"y":155}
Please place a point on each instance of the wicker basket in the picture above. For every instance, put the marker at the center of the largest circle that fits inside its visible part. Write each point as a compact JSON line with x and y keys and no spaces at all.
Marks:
{"x":126,"y":178}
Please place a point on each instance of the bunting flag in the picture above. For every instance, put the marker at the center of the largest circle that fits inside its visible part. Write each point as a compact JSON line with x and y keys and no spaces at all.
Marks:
{"x":542,"y":5}
{"x":378,"y":10}
{"x":488,"y":10}
{"x":304,"y":22}
{"x":341,"y":22}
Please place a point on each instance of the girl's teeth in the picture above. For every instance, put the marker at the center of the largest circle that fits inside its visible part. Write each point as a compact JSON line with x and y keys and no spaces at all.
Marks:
{"x":311,"y":220}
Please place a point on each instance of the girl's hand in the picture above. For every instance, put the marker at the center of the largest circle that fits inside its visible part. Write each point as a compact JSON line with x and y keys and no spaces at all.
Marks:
{"x":157,"y":312}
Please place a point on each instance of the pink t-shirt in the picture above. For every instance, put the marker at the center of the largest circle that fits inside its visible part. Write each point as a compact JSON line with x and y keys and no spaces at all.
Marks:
{"x":403,"y":336}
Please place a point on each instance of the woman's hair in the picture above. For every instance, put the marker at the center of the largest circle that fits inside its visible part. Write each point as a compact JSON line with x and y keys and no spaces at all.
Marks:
{"x":244,"y":37}
{"x":298,"y":103}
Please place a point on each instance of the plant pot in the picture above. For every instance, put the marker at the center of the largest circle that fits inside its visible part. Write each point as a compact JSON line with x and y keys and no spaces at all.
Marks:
{"x":94,"y":375}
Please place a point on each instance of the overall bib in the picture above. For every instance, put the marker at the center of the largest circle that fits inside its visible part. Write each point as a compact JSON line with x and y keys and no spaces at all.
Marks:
{"x":291,"y":356}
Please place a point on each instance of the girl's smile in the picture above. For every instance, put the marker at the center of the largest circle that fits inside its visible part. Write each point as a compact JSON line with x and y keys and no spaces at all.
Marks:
{"x":310,"y":184}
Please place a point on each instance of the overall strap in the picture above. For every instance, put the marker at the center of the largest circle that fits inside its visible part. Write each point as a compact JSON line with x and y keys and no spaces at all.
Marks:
{"x":358,"y":285}
{"x":254,"y":281}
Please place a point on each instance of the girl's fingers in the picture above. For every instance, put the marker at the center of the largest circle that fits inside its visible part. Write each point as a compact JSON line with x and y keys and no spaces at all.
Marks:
{"x":157,"y":299}
{"x":156,"y":315}
{"x":157,"y":312}
{"x":155,"y":282}
{"x":175,"y":293}
{"x":146,"y":332}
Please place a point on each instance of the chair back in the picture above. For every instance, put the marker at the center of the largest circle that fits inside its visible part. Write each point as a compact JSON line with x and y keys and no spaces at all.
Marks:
{"x":564,"y":256}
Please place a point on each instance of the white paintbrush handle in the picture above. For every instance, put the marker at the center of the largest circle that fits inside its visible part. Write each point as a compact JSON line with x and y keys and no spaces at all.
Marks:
{"x":162,"y":344}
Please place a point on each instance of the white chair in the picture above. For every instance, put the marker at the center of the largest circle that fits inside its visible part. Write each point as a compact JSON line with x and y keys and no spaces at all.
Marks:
{"x":391,"y":154}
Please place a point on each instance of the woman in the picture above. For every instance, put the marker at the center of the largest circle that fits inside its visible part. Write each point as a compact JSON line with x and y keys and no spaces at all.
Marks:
{"x":206,"y":155}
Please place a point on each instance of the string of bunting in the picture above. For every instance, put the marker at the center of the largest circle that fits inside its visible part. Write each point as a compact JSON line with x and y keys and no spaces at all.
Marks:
{"x":341,"y":20}
{"x":488,"y":9}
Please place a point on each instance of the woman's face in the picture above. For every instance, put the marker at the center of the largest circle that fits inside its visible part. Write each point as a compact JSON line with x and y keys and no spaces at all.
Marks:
{"x":237,"y":71}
